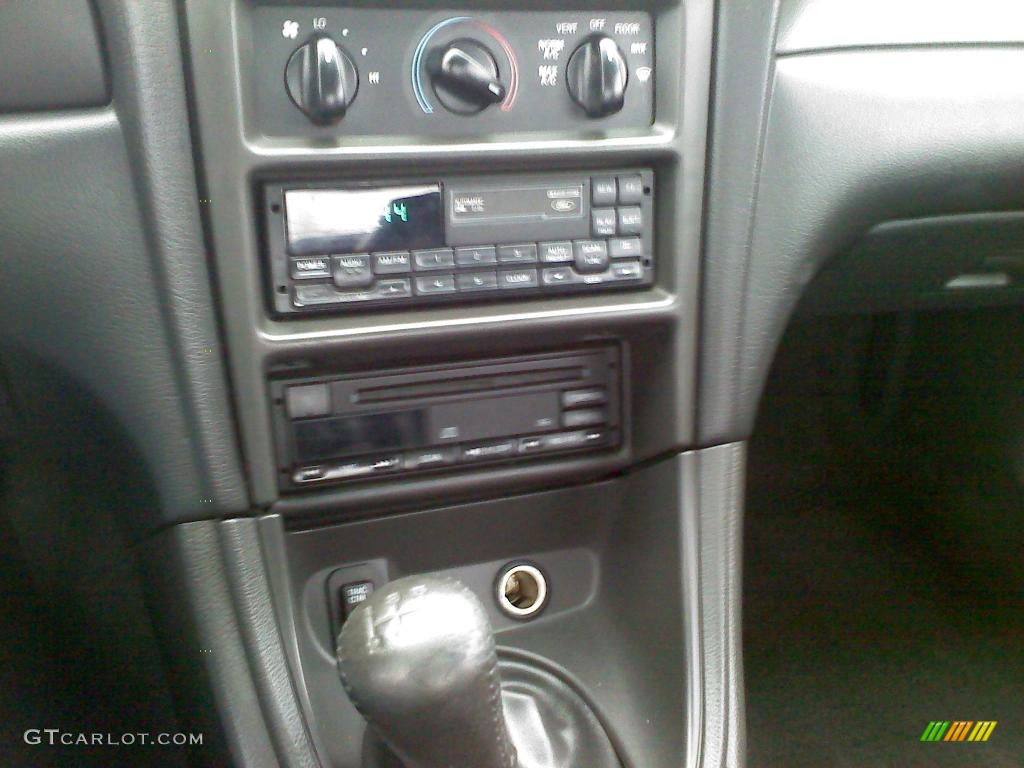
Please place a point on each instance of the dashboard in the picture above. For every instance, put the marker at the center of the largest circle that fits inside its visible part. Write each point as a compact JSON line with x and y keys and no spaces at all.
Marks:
{"x":382,"y":291}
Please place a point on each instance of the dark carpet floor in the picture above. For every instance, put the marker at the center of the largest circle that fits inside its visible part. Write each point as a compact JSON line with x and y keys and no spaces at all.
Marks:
{"x":883,"y":575}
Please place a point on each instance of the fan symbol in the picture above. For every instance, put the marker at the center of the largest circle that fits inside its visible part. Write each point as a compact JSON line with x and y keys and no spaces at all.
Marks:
{"x":290,"y":29}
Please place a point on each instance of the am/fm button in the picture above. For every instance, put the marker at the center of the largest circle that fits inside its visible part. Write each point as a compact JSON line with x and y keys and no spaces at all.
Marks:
{"x":308,"y":268}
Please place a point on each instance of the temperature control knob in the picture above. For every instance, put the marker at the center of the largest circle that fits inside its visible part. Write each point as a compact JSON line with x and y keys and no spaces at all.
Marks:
{"x":322,"y":80}
{"x":597,"y":75}
{"x":465,"y":76}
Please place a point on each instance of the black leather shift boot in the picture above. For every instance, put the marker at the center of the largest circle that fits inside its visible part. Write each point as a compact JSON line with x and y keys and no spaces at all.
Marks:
{"x":418,"y":660}
{"x":549,"y":724}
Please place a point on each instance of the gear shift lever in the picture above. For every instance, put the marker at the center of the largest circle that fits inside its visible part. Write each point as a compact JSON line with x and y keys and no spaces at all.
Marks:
{"x":418,"y":661}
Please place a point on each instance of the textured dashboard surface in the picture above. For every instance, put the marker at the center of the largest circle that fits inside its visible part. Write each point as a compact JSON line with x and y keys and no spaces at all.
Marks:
{"x":806,"y":25}
{"x":811,"y":151}
{"x":104,"y":271}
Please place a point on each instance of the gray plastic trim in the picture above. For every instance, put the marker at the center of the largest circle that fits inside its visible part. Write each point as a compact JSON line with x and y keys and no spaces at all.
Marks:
{"x":51,"y":56}
{"x":248,"y":578}
{"x":203,"y":637}
{"x":809,"y":25}
{"x":721,"y":484}
{"x":235,"y":155}
{"x":853,"y":139}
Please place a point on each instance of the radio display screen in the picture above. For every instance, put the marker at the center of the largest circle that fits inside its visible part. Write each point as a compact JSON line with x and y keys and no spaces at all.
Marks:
{"x":328,"y":221}
{"x":317,"y":439}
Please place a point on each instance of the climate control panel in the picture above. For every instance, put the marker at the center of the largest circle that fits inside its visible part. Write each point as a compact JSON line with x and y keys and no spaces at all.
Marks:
{"x":365,"y":71}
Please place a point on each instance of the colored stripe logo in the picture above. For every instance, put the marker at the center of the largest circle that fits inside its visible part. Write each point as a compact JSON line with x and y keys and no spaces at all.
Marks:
{"x":959,"y":730}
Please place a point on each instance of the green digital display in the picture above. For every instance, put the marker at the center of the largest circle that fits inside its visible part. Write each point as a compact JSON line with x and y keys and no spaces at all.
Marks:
{"x":396,"y":211}
{"x":363,"y":220}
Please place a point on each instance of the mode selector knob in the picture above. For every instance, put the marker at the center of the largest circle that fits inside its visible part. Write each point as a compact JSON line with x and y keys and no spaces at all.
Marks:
{"x":321,"y":79}
{"x":465,"y":76}
{"x":597,"y":75}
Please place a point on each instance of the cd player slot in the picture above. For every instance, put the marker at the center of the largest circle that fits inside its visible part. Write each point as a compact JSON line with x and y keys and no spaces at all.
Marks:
{"x":371,"y":426}
{"x":469,"y":385}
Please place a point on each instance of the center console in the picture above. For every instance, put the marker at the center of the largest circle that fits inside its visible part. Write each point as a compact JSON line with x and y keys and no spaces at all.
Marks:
{"x":457,"y":256}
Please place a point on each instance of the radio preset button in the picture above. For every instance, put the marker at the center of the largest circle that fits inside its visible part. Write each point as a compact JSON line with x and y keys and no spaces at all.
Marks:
{"x":310,"y":267}
{"x":426,"y":286}
{"x":393,"y":263}
{"x":584,"y":418}
{"x":311,"y":295}
{"x":559,"y":276}
{"x":478,"y":255}
{"x":604,"y":190}
{"x":602,"y":222}
{"x":631,"y":190}
{"x":631,"y":221}
{"x":556,"y":252}
{"x":523,"y":253}
{"x":394,"y":289}
{"x":353,"y":271}
{"x":517,"y":278}
{"x":627,"y":270}
{"x":622,"y":247}
{"x":477,"y":281}
{"x":591,"y":255}
{"x":435,"y":258}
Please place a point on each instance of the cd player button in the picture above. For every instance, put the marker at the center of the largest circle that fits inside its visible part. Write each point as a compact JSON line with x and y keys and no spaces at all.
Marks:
{"x":314,"y":266}
{"x":623,"y":247}
{"x":435,"y":258}
{"x":591,"y":255}
{"x":385,"y":464}
{"x":556,"y":252}
{"x":585,"y":418}
{"x":426,"y":286}
{"x":308,"y":400}
{"x":603,"y":190}
{"x":559,"y":276}
{"x":627,"y":270}
{"x":523,"y":253}
{"x":471,"y":257}
{"x":564,"y":441}
{"x":477,"y":281}
{"x":429,"y":458}
{"x":393,"y":263}
{"x":631,"y":189}
{"x":394,"y":289}
{"x":353,"y":271}
{"x":602,"y":222}
{"x":518,"y":278}
{"x":308,"y":475}
{"x":631,"y":221}
{"x":531,"y":444}
{"x":579,"y":397}
{"x":489,"y":451}
{"x":359,"y":468}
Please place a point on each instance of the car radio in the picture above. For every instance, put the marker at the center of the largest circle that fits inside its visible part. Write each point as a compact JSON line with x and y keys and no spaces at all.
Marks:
{"x":332,"y":429}
{"x":345,"y":247}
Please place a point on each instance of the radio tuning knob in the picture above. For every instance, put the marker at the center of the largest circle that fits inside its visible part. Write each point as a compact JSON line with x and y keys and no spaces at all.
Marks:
{"x":465,"y":76}
{"x":321,"y":79}
{"x":596,"y":76}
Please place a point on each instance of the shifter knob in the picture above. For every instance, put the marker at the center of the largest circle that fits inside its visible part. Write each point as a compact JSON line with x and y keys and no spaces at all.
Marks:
{"x":418,"y":661}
